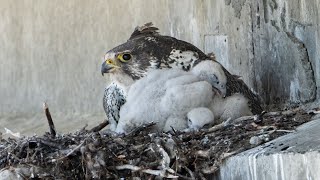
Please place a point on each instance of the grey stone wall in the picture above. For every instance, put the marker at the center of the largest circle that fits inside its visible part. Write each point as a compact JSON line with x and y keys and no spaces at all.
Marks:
{"x":52,"y":50}
{"x":286,"y":42}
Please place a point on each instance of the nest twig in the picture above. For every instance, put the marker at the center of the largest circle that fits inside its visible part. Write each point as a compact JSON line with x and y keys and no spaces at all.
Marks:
{"x":50,"y":121}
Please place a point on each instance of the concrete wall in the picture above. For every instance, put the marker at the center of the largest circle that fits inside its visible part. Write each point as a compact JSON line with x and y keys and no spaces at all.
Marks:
{"x":52,"y":50}
{"x":294,"y":156}
{"x":286,"y":42}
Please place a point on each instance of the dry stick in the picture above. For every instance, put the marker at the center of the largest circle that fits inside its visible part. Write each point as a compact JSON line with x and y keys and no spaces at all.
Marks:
{"x":50,"y":122}
{"x":75,"y":149}
{"x":141,"y":128}
{"x":100,"y":126}
{"x":161,"y":173}
{"x":212,"y":169}
{"x":245,"y":118}
{"x":216,"y":128}
{"x":192,"y":177}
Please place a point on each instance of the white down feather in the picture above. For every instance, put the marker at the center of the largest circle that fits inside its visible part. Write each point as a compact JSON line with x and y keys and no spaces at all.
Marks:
{"x":167,"y":96}
{"x":162,"y":95}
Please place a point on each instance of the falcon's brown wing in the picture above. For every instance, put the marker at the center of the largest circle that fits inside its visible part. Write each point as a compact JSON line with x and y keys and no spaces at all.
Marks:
{"x":236,"y":85}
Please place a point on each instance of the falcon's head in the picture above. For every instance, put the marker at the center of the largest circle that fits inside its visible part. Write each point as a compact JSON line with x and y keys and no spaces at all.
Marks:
{"x":146,"y":49}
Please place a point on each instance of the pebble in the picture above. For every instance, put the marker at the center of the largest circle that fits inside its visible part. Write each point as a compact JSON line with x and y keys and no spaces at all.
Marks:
{"x":255,"y":140}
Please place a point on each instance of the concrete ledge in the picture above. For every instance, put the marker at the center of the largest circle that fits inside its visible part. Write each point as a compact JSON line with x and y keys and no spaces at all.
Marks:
{"x":294,"y":157}
{"x":30,"y":124}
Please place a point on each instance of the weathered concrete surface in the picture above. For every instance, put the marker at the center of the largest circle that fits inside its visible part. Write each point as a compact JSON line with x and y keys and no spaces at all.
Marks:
{"x":286,"y":42}
{"x":295,"y":156}
{"x":231,"y":39}
{"x":52,"y":50}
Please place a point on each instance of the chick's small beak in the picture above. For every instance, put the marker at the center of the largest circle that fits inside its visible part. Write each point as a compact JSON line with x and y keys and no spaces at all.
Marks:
{"x":221,"y":91}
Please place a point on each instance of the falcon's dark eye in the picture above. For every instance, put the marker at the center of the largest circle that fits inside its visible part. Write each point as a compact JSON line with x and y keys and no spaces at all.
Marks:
{"x":124,"y":57}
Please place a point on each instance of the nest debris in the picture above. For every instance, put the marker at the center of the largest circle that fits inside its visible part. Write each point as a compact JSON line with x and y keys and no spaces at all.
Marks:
{"x":88,"y":154}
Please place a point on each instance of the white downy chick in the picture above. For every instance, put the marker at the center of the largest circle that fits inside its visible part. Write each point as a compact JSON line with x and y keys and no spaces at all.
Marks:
{"x":166,"y":96}
{"x":232,"y":107}
{"x":213,"y":73}
{"x":199,"y":117}
{"x":181,"y":98}
{"x":176,"y":123}
{"x":141,"y":104}
{"x":162,"y":95}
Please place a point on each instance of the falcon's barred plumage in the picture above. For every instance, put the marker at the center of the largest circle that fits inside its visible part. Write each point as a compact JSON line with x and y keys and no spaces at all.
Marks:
{"x":145,"y":50}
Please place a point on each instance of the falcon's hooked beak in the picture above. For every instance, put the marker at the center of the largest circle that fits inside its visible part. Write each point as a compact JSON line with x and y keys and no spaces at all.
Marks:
{"x":108,"y":66}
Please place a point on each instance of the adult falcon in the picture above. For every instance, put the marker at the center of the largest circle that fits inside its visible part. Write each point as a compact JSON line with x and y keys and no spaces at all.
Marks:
{"x":145,"y":50}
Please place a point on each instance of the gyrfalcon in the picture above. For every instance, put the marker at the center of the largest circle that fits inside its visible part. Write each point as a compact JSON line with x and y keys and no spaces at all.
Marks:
{"x":145,"y":50}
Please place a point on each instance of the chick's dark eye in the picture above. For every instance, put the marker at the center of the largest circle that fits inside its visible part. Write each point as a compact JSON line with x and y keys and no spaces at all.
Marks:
{"x":126,"y":57}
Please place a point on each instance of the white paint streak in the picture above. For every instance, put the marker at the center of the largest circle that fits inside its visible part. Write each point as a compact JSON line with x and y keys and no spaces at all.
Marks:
{"x":282,"y":171}
{"x":294,"y":90}
{"x":275,"y":162}
{"x":305,"y":163}
{"x":253,"y":166}
{"x":256,"y":165}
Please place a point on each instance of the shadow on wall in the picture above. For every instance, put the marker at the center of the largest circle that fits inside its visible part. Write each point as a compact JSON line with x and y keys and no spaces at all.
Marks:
{"x":285,"y":58}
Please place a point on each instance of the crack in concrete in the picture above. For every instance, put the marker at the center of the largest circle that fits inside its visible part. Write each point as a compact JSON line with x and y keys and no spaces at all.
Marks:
{"x":307,"y":66}
{"x":265,"y":11}
{"x":273,"y":5}
{"x":306,"y":89}
{"x":274,"y":24}
{"x":283,"y":18}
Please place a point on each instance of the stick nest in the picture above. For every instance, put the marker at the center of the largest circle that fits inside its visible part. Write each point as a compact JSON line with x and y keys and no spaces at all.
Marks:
{"x":86,"y":154}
